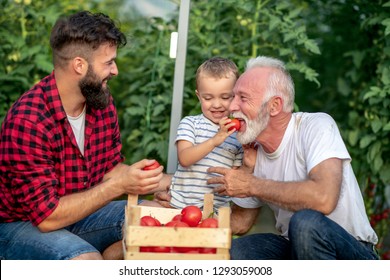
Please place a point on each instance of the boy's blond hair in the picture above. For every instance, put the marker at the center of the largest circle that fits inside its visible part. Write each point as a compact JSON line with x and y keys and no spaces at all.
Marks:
{"x":217,"y":67}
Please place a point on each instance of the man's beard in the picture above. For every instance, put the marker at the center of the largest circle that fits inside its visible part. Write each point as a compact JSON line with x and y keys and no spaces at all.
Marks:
{"x":253,"y":127}
{"x":91,"y":87}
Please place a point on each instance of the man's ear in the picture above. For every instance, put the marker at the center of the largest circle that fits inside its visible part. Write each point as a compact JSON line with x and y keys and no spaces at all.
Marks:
{"x":276,"y":105}
{"x":80,"y":65}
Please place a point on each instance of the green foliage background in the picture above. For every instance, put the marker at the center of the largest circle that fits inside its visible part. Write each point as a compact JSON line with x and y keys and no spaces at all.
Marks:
{"x":338,"y":52}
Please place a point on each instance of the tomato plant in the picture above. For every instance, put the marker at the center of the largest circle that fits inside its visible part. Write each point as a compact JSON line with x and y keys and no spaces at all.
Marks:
{"x":191,"y":215}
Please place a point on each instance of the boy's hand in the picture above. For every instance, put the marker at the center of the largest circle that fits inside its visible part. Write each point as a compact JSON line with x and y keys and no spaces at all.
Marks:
{"x":223,"y":132}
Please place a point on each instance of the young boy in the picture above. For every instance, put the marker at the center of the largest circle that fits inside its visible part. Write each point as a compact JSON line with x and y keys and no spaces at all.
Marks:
{"x":204,"y":140}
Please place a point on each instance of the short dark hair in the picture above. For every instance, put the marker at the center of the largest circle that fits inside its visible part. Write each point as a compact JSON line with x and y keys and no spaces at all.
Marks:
{"x":82,"y":33}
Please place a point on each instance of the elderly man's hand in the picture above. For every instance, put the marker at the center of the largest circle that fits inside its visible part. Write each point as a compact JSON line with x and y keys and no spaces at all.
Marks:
{"x":232,"y":182}
{"x":163,"y":198}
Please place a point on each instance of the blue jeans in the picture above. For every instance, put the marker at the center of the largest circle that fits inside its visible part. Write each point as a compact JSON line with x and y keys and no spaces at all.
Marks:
{"x":23,"y":241}
{"x":311,"y":236}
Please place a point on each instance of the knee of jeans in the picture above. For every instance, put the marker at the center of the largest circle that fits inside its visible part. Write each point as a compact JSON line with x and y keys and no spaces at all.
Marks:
{"x":304,"y":221}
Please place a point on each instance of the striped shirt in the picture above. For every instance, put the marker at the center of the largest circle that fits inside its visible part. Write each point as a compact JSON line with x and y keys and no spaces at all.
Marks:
{"x":189,"y":184}
{"x":40,"y":160}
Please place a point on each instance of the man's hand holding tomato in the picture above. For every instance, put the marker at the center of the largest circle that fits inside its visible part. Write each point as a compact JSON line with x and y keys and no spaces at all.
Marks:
{"x":131,"y":179}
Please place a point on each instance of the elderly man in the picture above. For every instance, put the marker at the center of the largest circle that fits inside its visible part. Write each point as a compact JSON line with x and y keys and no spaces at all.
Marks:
{"x":301,"y":170}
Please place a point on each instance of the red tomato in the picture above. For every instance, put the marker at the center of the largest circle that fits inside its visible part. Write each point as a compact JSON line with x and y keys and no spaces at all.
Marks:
{"x":176,"y":223}
{"x":187,"y":250}
{"x":209,"y":223}
{"x":236,"y":125}
{"x":191,"y":215}
{"x":155,"y":249}
{"x":207,"y":250}
{"x":152,"y":166}
{"x":149,"y":221}
{"x":146,"y":249}
{"x":177,"y":217}
{"x":161,"y":249}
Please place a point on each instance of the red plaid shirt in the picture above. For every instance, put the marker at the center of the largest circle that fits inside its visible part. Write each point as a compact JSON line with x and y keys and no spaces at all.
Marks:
{"x":39,"y":157}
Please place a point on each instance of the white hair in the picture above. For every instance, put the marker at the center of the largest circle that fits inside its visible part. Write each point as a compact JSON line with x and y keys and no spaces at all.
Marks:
{"x":280,"y":82}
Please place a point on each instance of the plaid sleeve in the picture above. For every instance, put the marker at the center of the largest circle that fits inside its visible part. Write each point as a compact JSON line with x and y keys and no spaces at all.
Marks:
{"x":30,"y":168}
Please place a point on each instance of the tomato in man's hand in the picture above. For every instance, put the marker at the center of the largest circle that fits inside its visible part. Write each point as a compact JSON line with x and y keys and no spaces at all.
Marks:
{"x":152,"y":166}
{"x":191,"y":215}
{"x":236,"y":125}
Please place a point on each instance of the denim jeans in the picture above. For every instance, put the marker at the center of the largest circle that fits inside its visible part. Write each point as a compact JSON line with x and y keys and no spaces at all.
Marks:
{"x":312,"y":236}
{"x":23,"y":241}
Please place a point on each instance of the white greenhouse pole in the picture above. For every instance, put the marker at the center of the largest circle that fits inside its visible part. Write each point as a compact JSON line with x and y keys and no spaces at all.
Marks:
{"x":178,"y":83}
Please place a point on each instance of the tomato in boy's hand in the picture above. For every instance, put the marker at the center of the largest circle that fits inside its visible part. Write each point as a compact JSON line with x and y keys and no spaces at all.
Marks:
{"x":236,"y":125}
{"x":152,"y":166}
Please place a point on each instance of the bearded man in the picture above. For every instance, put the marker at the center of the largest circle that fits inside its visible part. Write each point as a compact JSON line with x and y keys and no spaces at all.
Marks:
{"x":61,"y":166}
{"x":301,"y":170}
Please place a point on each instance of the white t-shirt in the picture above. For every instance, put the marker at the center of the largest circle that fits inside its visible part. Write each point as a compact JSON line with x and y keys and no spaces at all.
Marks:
{"x":189,"y":184}
{"x":78,"y":127}
{"x":311,"y":138}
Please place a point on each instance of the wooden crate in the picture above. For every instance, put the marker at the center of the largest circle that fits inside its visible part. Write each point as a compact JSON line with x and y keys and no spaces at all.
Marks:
{"x":135,"y":235}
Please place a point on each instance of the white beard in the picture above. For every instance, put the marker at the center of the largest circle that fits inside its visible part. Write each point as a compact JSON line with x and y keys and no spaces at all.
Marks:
{"x":253,"y":127}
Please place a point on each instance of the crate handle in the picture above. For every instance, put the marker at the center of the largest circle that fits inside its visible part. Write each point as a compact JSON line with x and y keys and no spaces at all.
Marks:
{"x":132,"y":199}
{"x":208,"y":206}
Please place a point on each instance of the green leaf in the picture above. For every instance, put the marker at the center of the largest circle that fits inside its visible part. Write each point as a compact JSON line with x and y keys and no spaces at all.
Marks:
{"x":312,"y":46}
{"x":386,"y":23}
{"x":353,"y":137}
{"x":374,"y":151}
{"x":386,"y":76}
{"x":386,"y":127}
{"x":343,"y":87}
{"x":374,"y":91}
{"x":377,"y":164}
{"x":366,"y":140}
{"x":274,"y":22}
{"x":376,"y":125}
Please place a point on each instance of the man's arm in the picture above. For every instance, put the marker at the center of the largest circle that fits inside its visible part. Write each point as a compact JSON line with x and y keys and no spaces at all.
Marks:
{"x":123,"y":179}
{"x":319,"y":192}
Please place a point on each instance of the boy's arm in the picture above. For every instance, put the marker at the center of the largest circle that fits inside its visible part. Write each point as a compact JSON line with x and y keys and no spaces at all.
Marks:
{"x":188,"y":153}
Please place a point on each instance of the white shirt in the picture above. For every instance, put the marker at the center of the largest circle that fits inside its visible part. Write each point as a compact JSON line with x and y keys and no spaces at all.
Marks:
{"x":311,"y":138}
{"x":78,"y":127}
